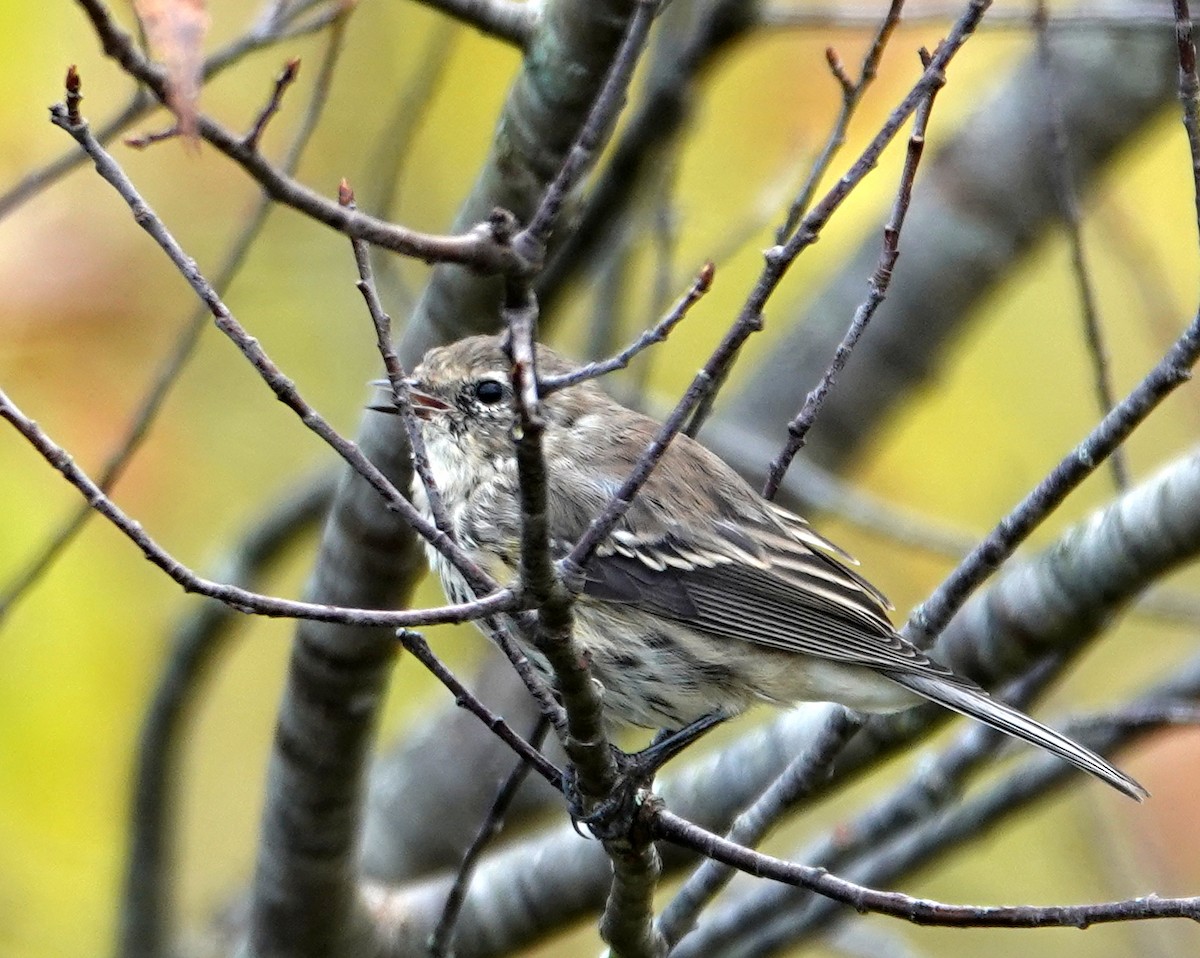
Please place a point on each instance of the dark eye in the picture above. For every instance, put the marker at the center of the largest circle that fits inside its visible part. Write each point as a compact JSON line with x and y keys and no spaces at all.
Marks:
{"x":489,"y":391}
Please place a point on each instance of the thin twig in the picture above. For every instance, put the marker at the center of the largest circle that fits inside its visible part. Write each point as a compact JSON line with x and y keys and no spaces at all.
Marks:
{"x":185,"y":345}
{"x":283,"y":388}
{"x":441,"y":942}
{"x":400,"y":391}
{"x":142,"y":101}
{"x":656,"y":334}
{"x":147,"y":896}
{"x":419,"y":649}
{"x":789,"y":16}
{"x":752,"y":825}
{"x":287,"y":76}
{"x":780,"y":257}
{"x":586,"y":741}
{"x":749,"y":320}
{"x":479,"y":248}
{"x":531,"y":242}
{"x":648,"y":133}
{"x":602,"y":525}
{"x":880,"y":281}
{"x":852,"y":94}
{"x":396,"y":376}
{"x":921,"y":911}
{"x":514,"y":23}
{"x":974,"y":819}
{"x":241,"y":600}
{"x":147,"y":899}
{"x":626,"y":923}
{"x":1189,"y":91}
{"x":1172,"y":371}
{"x":933,"y":787}
{"x":1068,"y":200}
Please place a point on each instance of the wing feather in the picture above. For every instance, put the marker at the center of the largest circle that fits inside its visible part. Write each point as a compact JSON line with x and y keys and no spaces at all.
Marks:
{"x":787,"y":597}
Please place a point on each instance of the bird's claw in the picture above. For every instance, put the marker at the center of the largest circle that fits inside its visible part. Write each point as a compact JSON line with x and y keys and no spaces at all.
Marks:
{"x":613,"y":816}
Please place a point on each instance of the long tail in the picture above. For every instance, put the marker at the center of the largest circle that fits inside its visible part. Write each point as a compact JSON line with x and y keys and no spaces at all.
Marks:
{"x":978,"y":705}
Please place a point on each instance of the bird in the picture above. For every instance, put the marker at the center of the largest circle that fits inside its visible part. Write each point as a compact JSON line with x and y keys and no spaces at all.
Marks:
{"x":706,"y":598}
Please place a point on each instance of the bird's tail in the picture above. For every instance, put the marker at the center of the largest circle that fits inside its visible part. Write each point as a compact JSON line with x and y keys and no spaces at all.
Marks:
{"x":977,"y":704}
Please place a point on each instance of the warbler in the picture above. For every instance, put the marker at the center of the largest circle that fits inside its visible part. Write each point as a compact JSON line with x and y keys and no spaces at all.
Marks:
{"x":706,"y":598}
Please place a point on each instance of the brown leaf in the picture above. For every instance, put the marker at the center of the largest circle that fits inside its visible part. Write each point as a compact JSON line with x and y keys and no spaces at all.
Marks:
{"x":176,"y":31}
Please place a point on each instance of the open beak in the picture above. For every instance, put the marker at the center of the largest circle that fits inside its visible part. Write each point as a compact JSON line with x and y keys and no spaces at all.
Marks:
{"x":424,"y":405}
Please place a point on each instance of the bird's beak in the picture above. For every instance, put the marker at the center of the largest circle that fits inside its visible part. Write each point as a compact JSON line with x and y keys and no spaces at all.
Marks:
{"x":424,"y":405}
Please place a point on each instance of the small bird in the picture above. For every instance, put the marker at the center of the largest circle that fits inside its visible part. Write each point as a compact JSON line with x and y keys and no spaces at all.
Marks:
{"x":706,"y":598}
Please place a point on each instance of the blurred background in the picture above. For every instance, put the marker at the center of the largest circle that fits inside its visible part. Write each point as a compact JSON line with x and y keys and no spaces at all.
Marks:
{"x":89,"y":307}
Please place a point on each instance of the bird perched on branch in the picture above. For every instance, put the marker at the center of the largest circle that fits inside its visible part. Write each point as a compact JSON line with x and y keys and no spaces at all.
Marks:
{"x":706,"y":598}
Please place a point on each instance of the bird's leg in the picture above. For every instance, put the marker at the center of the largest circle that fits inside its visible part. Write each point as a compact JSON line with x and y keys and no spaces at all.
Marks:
{"x":667,"y":744}
{"x":613,"y":816}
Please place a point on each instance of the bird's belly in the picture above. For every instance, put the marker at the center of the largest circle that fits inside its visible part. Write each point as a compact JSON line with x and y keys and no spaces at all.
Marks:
{"x":788,"y":678}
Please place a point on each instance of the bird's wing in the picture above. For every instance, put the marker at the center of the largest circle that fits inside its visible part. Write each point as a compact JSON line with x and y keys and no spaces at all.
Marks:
{"x":714,"y":554}
{"x":760,"y":584}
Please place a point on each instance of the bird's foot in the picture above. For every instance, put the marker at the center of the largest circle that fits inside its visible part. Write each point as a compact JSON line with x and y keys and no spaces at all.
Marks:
{"x":615,"y":814}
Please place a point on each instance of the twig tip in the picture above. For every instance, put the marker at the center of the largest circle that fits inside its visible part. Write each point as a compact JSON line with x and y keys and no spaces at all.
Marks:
{"x":74,"y":96}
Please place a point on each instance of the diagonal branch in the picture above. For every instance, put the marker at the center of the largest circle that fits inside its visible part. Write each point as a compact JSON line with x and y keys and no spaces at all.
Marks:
{"x":505,"y":20}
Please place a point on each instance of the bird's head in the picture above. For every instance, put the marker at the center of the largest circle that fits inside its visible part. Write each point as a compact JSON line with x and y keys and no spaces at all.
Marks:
{"x":463,"y":394}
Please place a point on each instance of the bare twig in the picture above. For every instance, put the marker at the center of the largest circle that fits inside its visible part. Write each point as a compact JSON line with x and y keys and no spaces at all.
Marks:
{"x":148,"y":888}
{"x":529,"y":753}
{"x":1189,"y":91}
{"x":852,"y":94}
{"x":656,"y":334}
{"x":531,"y":242}
{"x":1068,"y":201}
{"x":1058,"y":602}
{"x":503,"y":19}
{"x":442,"y":940}
{"x":880,"y":280}
{"x":147,"y":903}
{"x":751,"y":826}
{"x":934,"y":785}
{"x":396,"y":377}
{"x":626,"y":922}
{"x":586,"y":741}
{"x":287,"y":76}
{"x":144,"y":140}
{"x":287,"y":27}
{"x":1172,"y":371}
{"x":301,"y":893}
{"x":710,"y":27}
{"x":920,"y":911}
{"x":478,"y":248}
{"x":917,"y":824}
{"x":603,"y":524}
{"x":749,"y":320}
{"x":780,"y":16}
{"x":1168,"y":374}
{"x":780,"y":257}
{"x":283,"y":388}
{"x":241,"y":600}
{"x":185,"y":345}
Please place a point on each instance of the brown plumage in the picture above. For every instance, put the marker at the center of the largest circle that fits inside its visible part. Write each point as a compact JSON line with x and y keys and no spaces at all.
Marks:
{"x":706,"y":596}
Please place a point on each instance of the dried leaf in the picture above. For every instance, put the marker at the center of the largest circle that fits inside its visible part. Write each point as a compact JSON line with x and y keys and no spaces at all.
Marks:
{"x":176,"y":31}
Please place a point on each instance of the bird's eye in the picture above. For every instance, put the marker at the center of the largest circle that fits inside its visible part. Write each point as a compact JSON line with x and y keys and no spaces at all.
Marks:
{"x":489,"y":391}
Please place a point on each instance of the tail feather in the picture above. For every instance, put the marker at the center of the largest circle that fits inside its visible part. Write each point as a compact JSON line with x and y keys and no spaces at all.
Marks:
{"x":977,"y":704}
